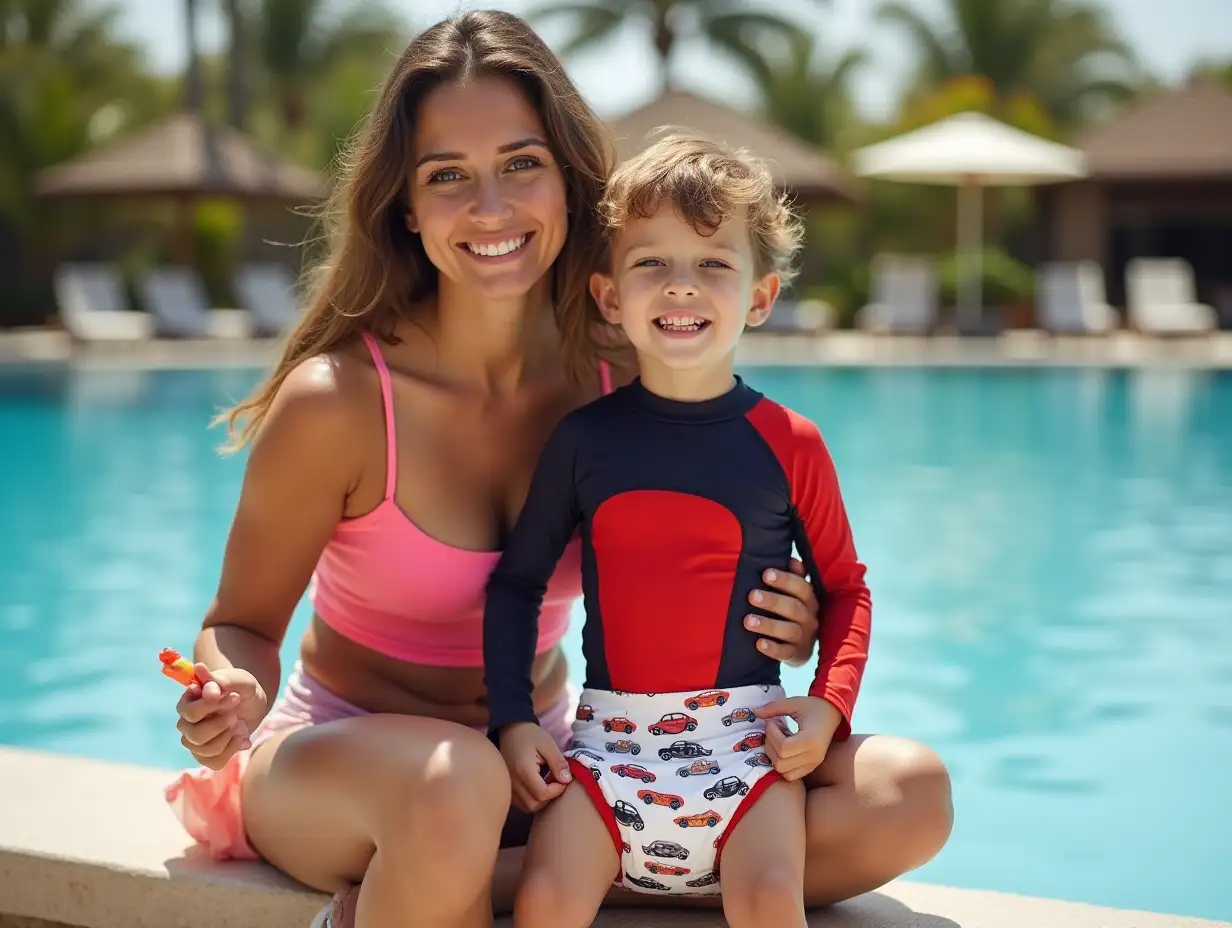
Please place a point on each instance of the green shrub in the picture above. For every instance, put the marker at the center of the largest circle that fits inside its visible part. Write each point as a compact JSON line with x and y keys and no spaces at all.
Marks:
{"x":1005,"y":280}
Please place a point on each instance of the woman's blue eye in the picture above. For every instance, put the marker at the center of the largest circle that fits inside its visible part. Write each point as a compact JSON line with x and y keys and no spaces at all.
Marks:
{"x":440,"y":175}
{"x":525,"y":161}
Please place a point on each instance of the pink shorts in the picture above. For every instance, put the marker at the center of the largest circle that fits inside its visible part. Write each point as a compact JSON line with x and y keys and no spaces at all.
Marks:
{"x":207,"y":802}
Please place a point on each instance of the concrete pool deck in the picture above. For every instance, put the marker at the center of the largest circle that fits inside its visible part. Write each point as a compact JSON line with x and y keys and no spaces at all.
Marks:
{"x":118,"y":859}
{"x":1017,"y":348}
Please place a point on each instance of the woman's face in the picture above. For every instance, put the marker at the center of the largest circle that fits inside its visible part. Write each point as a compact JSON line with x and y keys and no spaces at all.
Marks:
{"x":487,"y":196}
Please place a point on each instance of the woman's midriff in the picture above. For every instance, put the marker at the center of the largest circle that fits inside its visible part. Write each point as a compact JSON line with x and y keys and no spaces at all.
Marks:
{"x":377,"y":683}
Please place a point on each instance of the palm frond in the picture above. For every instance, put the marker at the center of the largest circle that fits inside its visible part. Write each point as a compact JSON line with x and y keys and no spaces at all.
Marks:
{"x":592,"y":22}
{"x":937,"y":60}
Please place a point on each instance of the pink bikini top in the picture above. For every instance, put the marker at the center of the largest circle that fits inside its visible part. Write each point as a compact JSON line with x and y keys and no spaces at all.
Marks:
{"x":385,"y":584}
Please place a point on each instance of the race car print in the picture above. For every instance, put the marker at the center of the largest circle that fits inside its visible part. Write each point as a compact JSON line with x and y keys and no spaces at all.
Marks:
{"x":655,"y":798}
{"x":666,"y":849}
{"x":706,"y":879}
{"x":635,"y":771}
{"x":698,"y":768}
{"x":674,"y":723}
{"x":619,"y":724}
{"x":708,"y":698}
{"x":623,"y":746}
{"x":644,"y":881}
{"x":760,"y":759}
{"x":588,"y":753}
{"x":669,"y":869}
{"x":748,"y":742}
{"x":707,"y":819}
{"x":628,"y":815}
{"x":684,"y":749}
{"x":739,"y":715}
{"x":585,"y":713}
{"x":728,"y":786}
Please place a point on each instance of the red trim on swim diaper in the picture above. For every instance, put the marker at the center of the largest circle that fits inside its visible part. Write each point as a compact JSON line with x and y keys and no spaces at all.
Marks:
{"x":745,"y":804}
{"x":581,"y":774}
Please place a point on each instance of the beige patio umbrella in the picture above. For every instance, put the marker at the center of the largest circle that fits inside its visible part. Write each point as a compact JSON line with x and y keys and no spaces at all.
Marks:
{"x":970,"y":151}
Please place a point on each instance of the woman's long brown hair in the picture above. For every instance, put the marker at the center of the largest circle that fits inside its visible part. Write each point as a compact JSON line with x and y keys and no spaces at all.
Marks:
{"x":376,"y":270}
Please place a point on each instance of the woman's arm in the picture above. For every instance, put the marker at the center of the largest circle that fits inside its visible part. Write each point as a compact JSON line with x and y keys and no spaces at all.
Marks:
{"x":302,"y":466}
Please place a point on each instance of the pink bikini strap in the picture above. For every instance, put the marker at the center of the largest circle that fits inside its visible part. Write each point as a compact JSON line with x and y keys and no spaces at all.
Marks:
{"x":387,"y":399}
{"x":605,"y":377}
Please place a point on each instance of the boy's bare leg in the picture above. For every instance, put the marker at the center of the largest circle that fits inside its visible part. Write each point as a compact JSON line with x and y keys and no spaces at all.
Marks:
{"x":569,"y":865}
{"x":761,"y":870}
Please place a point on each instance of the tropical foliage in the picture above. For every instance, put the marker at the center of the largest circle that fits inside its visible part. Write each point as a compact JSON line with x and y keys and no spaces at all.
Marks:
{"x":298,"y":75}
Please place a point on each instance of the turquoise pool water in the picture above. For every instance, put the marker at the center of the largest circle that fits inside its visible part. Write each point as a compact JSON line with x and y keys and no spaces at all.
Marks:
{"x":1050,"y":554}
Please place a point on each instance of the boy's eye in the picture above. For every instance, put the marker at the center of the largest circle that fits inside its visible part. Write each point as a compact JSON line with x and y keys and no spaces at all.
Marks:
{"x":715,"y":262}
{"x":648,"y":262}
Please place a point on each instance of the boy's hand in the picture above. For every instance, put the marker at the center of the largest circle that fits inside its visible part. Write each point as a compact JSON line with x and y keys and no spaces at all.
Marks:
{"x":797,"y":755}
{"x":527,"y":749}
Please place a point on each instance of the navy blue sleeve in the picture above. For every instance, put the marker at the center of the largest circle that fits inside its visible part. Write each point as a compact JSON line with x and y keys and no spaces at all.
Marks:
{"x":515,"y":590}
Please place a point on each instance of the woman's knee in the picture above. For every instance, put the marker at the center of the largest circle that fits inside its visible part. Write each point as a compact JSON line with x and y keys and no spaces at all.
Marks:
{"x":916,"y":788}
{"x":457,"y":789}
{"x":924,"y":783}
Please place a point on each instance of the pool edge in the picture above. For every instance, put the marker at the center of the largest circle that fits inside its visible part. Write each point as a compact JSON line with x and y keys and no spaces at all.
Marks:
{"x":126,"y":863}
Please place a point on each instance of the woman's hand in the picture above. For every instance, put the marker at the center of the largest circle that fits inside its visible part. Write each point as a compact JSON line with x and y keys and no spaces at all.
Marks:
{"x":218,"y":716}
{"x":791,"y":637}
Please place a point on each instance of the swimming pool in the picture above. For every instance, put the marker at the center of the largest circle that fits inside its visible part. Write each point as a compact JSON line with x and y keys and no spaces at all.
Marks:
{"x":1050,"y":553}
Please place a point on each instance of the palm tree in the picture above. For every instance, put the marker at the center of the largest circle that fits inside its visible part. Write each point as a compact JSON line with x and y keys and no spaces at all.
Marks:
{"x":238,"y":53}
{"x":1064,"y":53}
{"x":297,"y":45}
{"x":726,"y":25}
{"x":810,"y":95}
{"x":66,"y":81}
{"x":194,"y":86}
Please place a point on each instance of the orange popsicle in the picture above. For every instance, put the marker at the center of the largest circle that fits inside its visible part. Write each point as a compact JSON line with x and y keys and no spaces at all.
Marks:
{"x":179,"y":669}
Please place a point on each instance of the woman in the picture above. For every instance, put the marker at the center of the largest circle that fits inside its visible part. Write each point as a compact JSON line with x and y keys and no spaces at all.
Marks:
{"x":391,"y":453}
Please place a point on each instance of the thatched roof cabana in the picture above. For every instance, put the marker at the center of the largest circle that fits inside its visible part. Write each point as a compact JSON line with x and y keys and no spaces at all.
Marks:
{"x":797,"y":166}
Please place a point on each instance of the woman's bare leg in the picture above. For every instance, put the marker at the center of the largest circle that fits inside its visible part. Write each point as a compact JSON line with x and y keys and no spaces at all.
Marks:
{"x":877,"y":807}
{"x":569,"y":864}
{"x":412,"y":807}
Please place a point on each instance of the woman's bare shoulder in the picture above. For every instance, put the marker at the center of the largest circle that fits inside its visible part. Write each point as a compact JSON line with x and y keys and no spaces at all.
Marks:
{"x":318,"y":401}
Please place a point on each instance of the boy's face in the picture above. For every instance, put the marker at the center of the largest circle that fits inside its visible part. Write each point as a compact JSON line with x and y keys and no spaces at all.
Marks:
{"x":683,"y":298}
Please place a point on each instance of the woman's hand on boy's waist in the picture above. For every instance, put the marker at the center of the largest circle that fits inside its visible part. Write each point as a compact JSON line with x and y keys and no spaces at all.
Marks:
{"x":791,"y":635}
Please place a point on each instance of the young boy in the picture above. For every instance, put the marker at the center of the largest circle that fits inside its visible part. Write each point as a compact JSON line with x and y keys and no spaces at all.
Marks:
{"x":685,"y":473}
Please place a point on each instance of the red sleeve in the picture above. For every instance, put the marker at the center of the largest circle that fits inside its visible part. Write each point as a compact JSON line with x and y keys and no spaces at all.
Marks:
{"x":825,"y":543}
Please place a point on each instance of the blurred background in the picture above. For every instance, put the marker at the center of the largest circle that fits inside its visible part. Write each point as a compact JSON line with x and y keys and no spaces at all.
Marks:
{"x":1049,"y":546}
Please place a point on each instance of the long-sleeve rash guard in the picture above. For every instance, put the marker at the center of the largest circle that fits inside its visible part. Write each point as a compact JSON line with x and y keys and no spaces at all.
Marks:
{"x":681,"y":506}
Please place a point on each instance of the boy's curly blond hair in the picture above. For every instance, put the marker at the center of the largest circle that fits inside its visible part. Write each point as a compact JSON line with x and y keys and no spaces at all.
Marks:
{"x":707,"y":184}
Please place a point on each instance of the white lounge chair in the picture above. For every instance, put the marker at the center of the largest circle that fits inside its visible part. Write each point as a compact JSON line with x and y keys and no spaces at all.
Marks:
{"x":1161,"y":300}
{"x":94,"y":307}
{"x":903,"y":295}
{"x":177,"y":300}
{"x":268,"y":293}
{"x":1070,"y":297}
